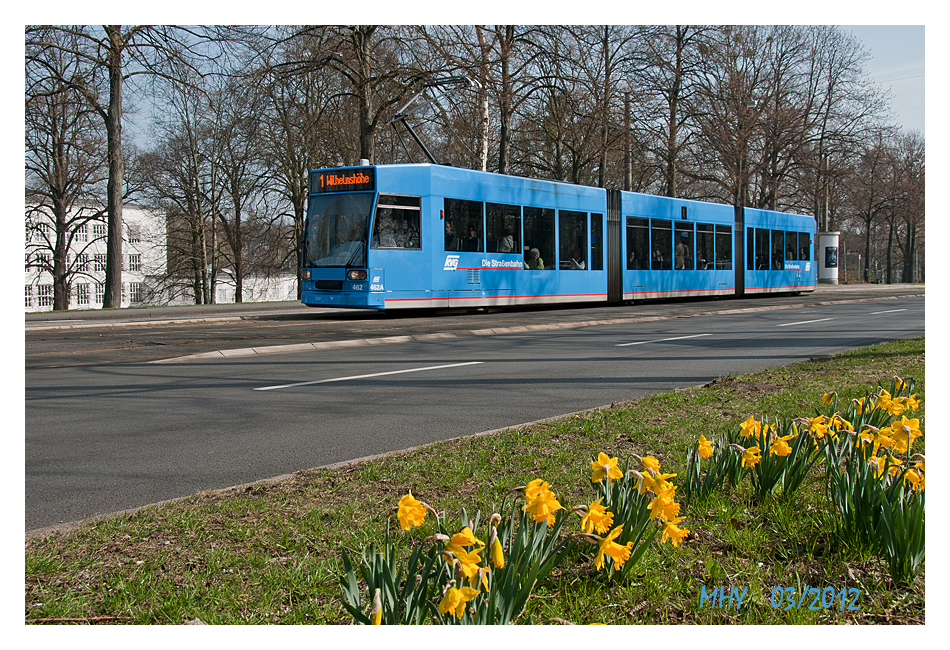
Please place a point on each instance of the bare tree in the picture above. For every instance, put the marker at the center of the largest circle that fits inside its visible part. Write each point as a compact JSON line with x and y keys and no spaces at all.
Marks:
{"x":64,"y":167}
{"x":111,"y":55}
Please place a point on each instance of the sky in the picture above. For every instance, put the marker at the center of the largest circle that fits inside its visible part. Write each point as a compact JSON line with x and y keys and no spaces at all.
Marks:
{"x":897,"y":65}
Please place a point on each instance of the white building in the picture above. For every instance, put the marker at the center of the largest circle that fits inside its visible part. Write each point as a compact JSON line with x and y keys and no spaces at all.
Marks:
{"x":144,"y":261}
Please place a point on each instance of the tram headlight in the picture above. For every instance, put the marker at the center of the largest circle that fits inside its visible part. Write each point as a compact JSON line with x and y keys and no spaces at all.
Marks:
{"x":356,"y":275}
{"x":305,"y":274}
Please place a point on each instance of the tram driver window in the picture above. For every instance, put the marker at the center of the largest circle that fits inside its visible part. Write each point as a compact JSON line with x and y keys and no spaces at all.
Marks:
{"x":397,"y":222}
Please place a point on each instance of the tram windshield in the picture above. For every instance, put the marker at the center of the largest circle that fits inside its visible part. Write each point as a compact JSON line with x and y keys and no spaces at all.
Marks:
{"x":337,"y":230}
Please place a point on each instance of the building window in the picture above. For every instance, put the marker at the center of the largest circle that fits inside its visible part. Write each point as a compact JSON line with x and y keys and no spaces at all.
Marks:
{"x":29,"y":295}
{"x":100,"y":292}
{"x":135,"y":262}
{"x":132,"y":234}
{"x":82,"y":295}
{"x":99,"y":263}
{"x":82,"y":262}
{"x":136,"y":292}
{"x":45,"y":295}
{"x":98,"y":230}
{"x":82,"y":233}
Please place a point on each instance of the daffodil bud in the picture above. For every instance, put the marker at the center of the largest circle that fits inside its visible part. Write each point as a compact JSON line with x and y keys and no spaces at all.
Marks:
{"x":497,"y":554}
{"x":376,"y":613}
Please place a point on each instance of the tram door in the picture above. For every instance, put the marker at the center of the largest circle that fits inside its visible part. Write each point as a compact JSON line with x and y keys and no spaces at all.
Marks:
{"x":614,"y":248}
{"x":738,"y":258}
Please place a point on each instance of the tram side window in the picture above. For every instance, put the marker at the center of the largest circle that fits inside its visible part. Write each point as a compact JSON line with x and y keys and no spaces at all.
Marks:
{"x":638,"y":244}
{"x":539,"y":234}
{"x":572,"y":240}
{"x":464,"y":218}
{"x":761,"y":249}
{"x":778,"y":250}
{"x":661,"y":241}
{"x":397,"y":222}
{"x":504,"y":228}
{"x":724,"y":248}
{"x":683,"y":248}
{"x":791,"y":246}
{"x":804,"y":246}
{"x":704,"y":246}
{"x":596,"y":245}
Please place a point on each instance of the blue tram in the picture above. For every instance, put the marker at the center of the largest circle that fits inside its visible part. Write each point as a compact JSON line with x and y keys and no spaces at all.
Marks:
{"x":424,"y":236}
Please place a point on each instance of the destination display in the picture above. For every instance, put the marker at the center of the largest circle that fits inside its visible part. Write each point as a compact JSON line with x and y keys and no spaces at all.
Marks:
{"x":344,"y":180}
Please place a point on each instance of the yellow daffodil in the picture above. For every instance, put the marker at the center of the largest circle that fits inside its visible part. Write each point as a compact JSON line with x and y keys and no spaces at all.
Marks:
{"x":497,"y":554}
{"x":904,"y":434}
{"x":411,"y":512}
{"x":828,"y":398}
{"x":838,"y":422}
{"x":536,"y":488}
{"x":751,"y":456}
{"x":656,"y":484}
{"x":664,"y":507}
{"x":912,"y":403}
{"x":651,"y":463}
{"x":818,"y":426}
{"x":541,"y":503}
{"x":781,"y":447}
{"x":605,"y":467}
{"x":897,"y":406}
{"x":673,"y":532}
{"x":455,"y":599}
{"x":607,"y":546}
{"x":468,"y":562}
{"x":884,"y":439}
{"x":858,"y":405}
{"x":705,"y":447}
{"x":751,"y":428}
{"x":913,"y":478}
{"x":465,"y":537}
{"x":884,"y":400}
{"x":597,"y":518}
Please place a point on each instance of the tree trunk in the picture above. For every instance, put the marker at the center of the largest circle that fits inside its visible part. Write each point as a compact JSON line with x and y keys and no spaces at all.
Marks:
{"x":483,"y":115}
{"x":113,"y":283}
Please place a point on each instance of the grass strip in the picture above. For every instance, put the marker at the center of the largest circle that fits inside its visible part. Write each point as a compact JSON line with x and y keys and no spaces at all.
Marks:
{"x":270,"y":553}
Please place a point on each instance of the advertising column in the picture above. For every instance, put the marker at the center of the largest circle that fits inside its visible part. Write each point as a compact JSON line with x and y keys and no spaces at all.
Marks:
{"x":828,"y":257}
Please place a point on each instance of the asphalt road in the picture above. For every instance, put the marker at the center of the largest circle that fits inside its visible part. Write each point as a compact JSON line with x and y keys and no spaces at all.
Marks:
{"x":114,"y":422}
